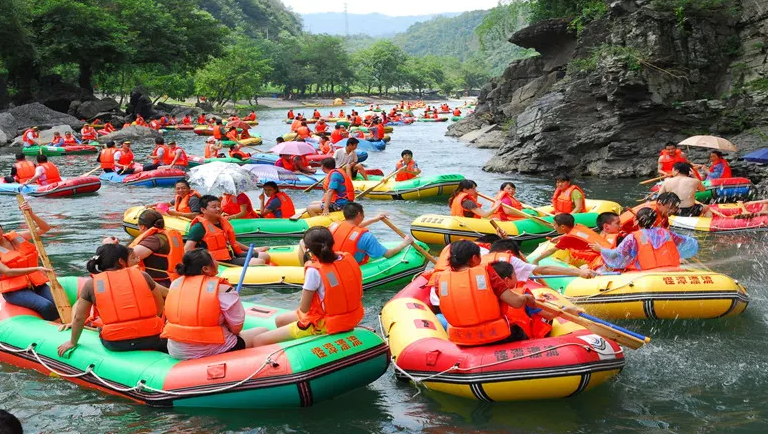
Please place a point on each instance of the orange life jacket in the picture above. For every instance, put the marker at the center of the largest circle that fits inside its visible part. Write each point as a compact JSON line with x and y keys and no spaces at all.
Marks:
{"x":230,"y":206}
{"x":492,"y":257}
{"x":107,"y":158}
{"x":209,"y":150}
{"x":667,"y":161}
{"x":126,"y":305}
{"x":649,"y":258}
{"x":562,"y":201}
{"x":346,"y":236}
{"x":471,"y":308}
{"x":295,"y":125}
{"x":125,"y":157}
{"x":290,"y":114}
{"x":250,"y":117}
{"x":218,"y":132}
{"x":325,"y":147}
{"x":31,"y":141}
{"x":611,"y":240}
{"x":24,"y":255}
{"x":218,"y":240}
{"x":316,"y":114}
{"x":402,"y":176}
{"x":577,"y":242}
{"x":321,"y":127}
{"x":154,"y":124}
{"x":629,"y":223}
{"x":51,"y":174}
{"x":108,"y":127}
{"x":24,"y":170}
{"x":342,"y":307}
{"x":500,"y":214}
{"x":182,"y":203}
{"x":232,"y":135}
{"x":88,"y":133}
{"x":726,"y":168}
{"x":170,"y":154}
{"x":70,"y":140}
{"x":458,"y":210}
{"x":336,"y":136}
{"x":286,"y":206}
{"x":187,"y":120}
{"x":347,"y":184}
{"x":157,"y":159}
{"x":175,"y":251}
{"x":192,"y":310}
{"x":457,"y":112}
{"x":303,"y":132}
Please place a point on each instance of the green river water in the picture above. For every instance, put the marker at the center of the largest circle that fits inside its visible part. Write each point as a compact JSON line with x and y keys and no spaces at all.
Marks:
{"x":694,"y":377}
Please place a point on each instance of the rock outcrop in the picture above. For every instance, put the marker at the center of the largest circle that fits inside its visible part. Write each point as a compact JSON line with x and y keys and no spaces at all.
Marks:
{"x":131,"y":133}
{"x":604,"y":101}
{"x":16,"y":120}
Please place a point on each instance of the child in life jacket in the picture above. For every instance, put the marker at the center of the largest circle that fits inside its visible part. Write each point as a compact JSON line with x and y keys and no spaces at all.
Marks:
{"x":331,"y":297}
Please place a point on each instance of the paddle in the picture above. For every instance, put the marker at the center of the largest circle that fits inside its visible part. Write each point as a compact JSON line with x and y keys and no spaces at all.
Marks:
{"x":59,"y":296}
{"x":622,"y":336}
{"x":382,"y":181}
{"x":245,"y":268}
{"x":519,"y":213}
{"x":413,"y":242}
{"x":652,"y":180}
{"x":306,"y":190}
{"x":90,"y":171}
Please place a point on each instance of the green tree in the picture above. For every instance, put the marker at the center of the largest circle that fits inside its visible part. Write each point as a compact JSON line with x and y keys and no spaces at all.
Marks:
{"x":239,"y":74}
{"x":384,"y":57}
{"x":473,"y":76}
{"x":18,"y":52}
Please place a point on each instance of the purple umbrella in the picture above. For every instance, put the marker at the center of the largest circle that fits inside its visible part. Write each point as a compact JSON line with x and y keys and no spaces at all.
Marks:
{"x":294,"y":148}
{"x":267,"y":172}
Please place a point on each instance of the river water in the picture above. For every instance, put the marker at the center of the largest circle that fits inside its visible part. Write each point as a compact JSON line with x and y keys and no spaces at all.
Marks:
{"x":694,"y":377}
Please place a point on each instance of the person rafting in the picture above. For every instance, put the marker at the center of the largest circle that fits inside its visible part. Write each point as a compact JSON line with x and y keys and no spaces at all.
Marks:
{"x":237,"y":207}
{"x":157,"y":155}
{"x":219,"y":133}
{"x":506,"y":196}
{"x":22,"y":281}
{"x":31,"y":137}
{"x":236,"y":151}
{"x":250,"y":117}
{"x":205,"y":314}
{"x":186,"y":120}
{"x":57,"y":140}
{"x":337,"y":134}
{"x":88,"y":133}
{"x":456,"y":112}
{"x":353,"y":237}
{"x":70,"y":139}
{"x":158,"y":249}
{"x":46,"y":173}
{"x":201,"y":119}
{"x":295,"y":163}
{"x":186,"y":203}
{"x":210,"y":230}
{"x":464,"y":202}
{"x":321,"y":127}
{"x":175,"y":158}
{"x":670,"y":155}
{"x":21,"y":170}
{"x":316,"y":114}
{"x":650,"y":247}
{"x":685,"y":187}
{"x":665,"y":205}
{"x":124,"y":159}
{"x":377,"y":130}
{"x":130,"y":304}
{"x":303,"y":131}
{"x":324,"y":146}
{"x":565,"y":225}
{"x":212,"y":148}
{"x":411,"y":168}
{"x":338,"y":190}
{"x":289,"y":115}
{"x":347,"y":157}
{"x":568,"y":197}
{"x":719,"y":168}
{"x":106,"y":157}
{"x":331,"y":296}
{"x":274,"y":203}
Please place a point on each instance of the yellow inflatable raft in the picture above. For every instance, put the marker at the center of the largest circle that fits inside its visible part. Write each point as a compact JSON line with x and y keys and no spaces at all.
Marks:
{"x":435,"y":229}
{"x":422,"y":187}
{"x":663,"y":293}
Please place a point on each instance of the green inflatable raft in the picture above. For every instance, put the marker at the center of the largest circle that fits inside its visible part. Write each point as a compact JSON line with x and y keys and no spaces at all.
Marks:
{"x":84,"y":149}
{"x":296,"y":373}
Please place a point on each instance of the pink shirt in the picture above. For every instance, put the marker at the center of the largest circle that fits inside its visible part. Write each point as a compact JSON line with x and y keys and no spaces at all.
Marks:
{"x":232,"y":314}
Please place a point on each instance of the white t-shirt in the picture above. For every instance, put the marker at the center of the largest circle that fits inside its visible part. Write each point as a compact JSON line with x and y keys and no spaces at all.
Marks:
{"x":314,"y":282}
{"x":523,"y":271}
{"x":342,"y":157}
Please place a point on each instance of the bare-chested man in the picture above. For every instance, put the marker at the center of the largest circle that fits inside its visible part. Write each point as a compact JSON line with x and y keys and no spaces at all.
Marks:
{"x":686,"y":187}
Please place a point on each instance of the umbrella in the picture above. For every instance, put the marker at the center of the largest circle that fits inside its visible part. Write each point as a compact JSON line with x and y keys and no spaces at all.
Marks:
{"x":218,"y":177}
{"x":759,"y":156}
{"x":267,"y":172}
{"x":239,"y":124}
{"x":294,"y":148}
{"x":709,"y":142}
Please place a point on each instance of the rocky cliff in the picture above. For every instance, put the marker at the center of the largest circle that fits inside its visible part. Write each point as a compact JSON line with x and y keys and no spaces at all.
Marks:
{"x":602,"y":100}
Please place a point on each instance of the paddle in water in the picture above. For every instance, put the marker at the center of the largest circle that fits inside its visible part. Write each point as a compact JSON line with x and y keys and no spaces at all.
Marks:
{"x":245,"y":268}
{"x":382,"y":181}
{"x":413,"y":242}
{"x":519,"y":213}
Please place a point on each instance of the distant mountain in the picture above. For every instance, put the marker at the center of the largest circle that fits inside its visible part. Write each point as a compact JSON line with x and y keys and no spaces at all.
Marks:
{"x":443,"y":36}
{"x":368,"y":24}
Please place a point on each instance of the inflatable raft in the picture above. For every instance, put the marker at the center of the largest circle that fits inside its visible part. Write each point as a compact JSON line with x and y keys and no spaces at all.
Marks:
{"x":663,"y":293}
{"x":422,"y":187}
{"x":285,"y":270}
{"x":364,"y":145}
{"x":250,"y":141}
{"x":61,"y":150}
{"x":739,"y":219}
{"x":439,"y":230}
{"x":244,"y":228}
{"x":67,"y":187}
{"x":431,"y":120}
{"x":722,"y":190}
{"x":151,"y":178}
{"x":194,"y":160}
{"x":387,"y":129}
{"x":291,"y":374}
{"x":456,"y":118}
{"x":569,"y":361}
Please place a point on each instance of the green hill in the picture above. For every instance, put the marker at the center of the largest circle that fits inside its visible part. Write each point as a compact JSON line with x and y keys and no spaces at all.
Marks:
{"x":256,"y":18}
{"x":443,"y":36}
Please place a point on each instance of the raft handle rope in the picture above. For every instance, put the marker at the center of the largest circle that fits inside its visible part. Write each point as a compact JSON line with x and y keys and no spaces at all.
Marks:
{"x":456,"y":367}
{"x":630,"y":284}
{"x":141,"y":384}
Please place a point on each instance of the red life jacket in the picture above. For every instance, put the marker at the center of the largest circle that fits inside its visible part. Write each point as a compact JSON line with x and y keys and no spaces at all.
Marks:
{"x":51,"y":174}
{"x":726,"y":168}
{"x":24,"y":170}
{"x":342,"y":308}
{"x":346,"y":236}
{"x":402,"y":176}
{"x":170,"y":154}
{"x":192,"y":310}
{"x":563,"y":203}
{"x":321,"y":127}
{"x":218,"y":240}
{"x":70,"y":140}
{"x":26,"y":136}
{"x":125,"y":157}
{"x":24,"y":255}
{"x":347,"y":184}
{"x":200,"y":120}
{"x":287,"y":208}
{"x":88,"y":133}
{"x":107,"y":158}
{"x":649,"y":258}
{"x":157,"y":159}
{"x":230,"y":206}
{"x":219,"y":133}
{"x":667,"y":161}
{"x":126,"y":305}
{"x":458,"y":210}
{"x":336,"y":136}
{"x":175,"y":251}
{"x":514,"y":203}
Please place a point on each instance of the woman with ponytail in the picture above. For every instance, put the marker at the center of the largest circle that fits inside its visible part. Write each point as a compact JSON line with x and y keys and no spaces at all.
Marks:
{"x":331,"y":298}
{"x":464,"y":202}
{"x":159,"y":250}
{"x":129,"y":303}
{"x":205,"y":315}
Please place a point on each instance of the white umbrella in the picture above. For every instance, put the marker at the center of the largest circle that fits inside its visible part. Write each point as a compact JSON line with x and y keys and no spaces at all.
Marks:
{"x":713,"y":142}
{"x":218,"y":177}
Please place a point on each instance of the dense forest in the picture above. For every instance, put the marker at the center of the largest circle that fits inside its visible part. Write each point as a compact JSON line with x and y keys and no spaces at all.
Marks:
{"x":230,"y":50}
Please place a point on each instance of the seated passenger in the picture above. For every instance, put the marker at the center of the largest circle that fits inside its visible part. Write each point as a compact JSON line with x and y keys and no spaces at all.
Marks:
{"x":464,"y":202}
{"x":351,"y":236}
{"x":274,"y":203}
{"x":506,"y":196}
{"x":237,"y":207}
{"x":159,"y":250}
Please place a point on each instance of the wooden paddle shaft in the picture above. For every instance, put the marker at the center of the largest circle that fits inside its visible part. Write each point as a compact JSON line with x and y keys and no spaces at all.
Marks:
{"x":413,"y":243}
{"x":382,"y":181}
{"x":517,"y":212}
{"x":648,"y":181}
{"x":306,"y":190}
{"x":90,"y":171}
{"x":59,"y":296}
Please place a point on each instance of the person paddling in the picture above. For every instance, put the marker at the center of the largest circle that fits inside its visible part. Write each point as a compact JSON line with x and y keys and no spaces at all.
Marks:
{"x":464,"y":202}
{"x":686,"y":187}
{"x":568,"y":197}
{"x":158,"y":249}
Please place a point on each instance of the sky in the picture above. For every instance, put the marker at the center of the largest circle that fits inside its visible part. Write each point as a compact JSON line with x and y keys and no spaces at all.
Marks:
{"x":394,"y":7}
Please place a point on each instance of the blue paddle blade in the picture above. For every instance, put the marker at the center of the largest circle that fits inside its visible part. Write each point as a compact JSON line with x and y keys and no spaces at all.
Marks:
{"x":245,"y":268}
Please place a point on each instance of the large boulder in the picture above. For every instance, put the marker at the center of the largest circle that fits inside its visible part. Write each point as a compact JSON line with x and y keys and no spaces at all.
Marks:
{"x":58,"y":94}
{"x":7,"y":126}
{"x":139,"y":103}
{"x":3,"y":138}
{"x":133,"y":132}
{"x":46,"y":135}
{"x":90,"y":110}
{"x":38,"y":115}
